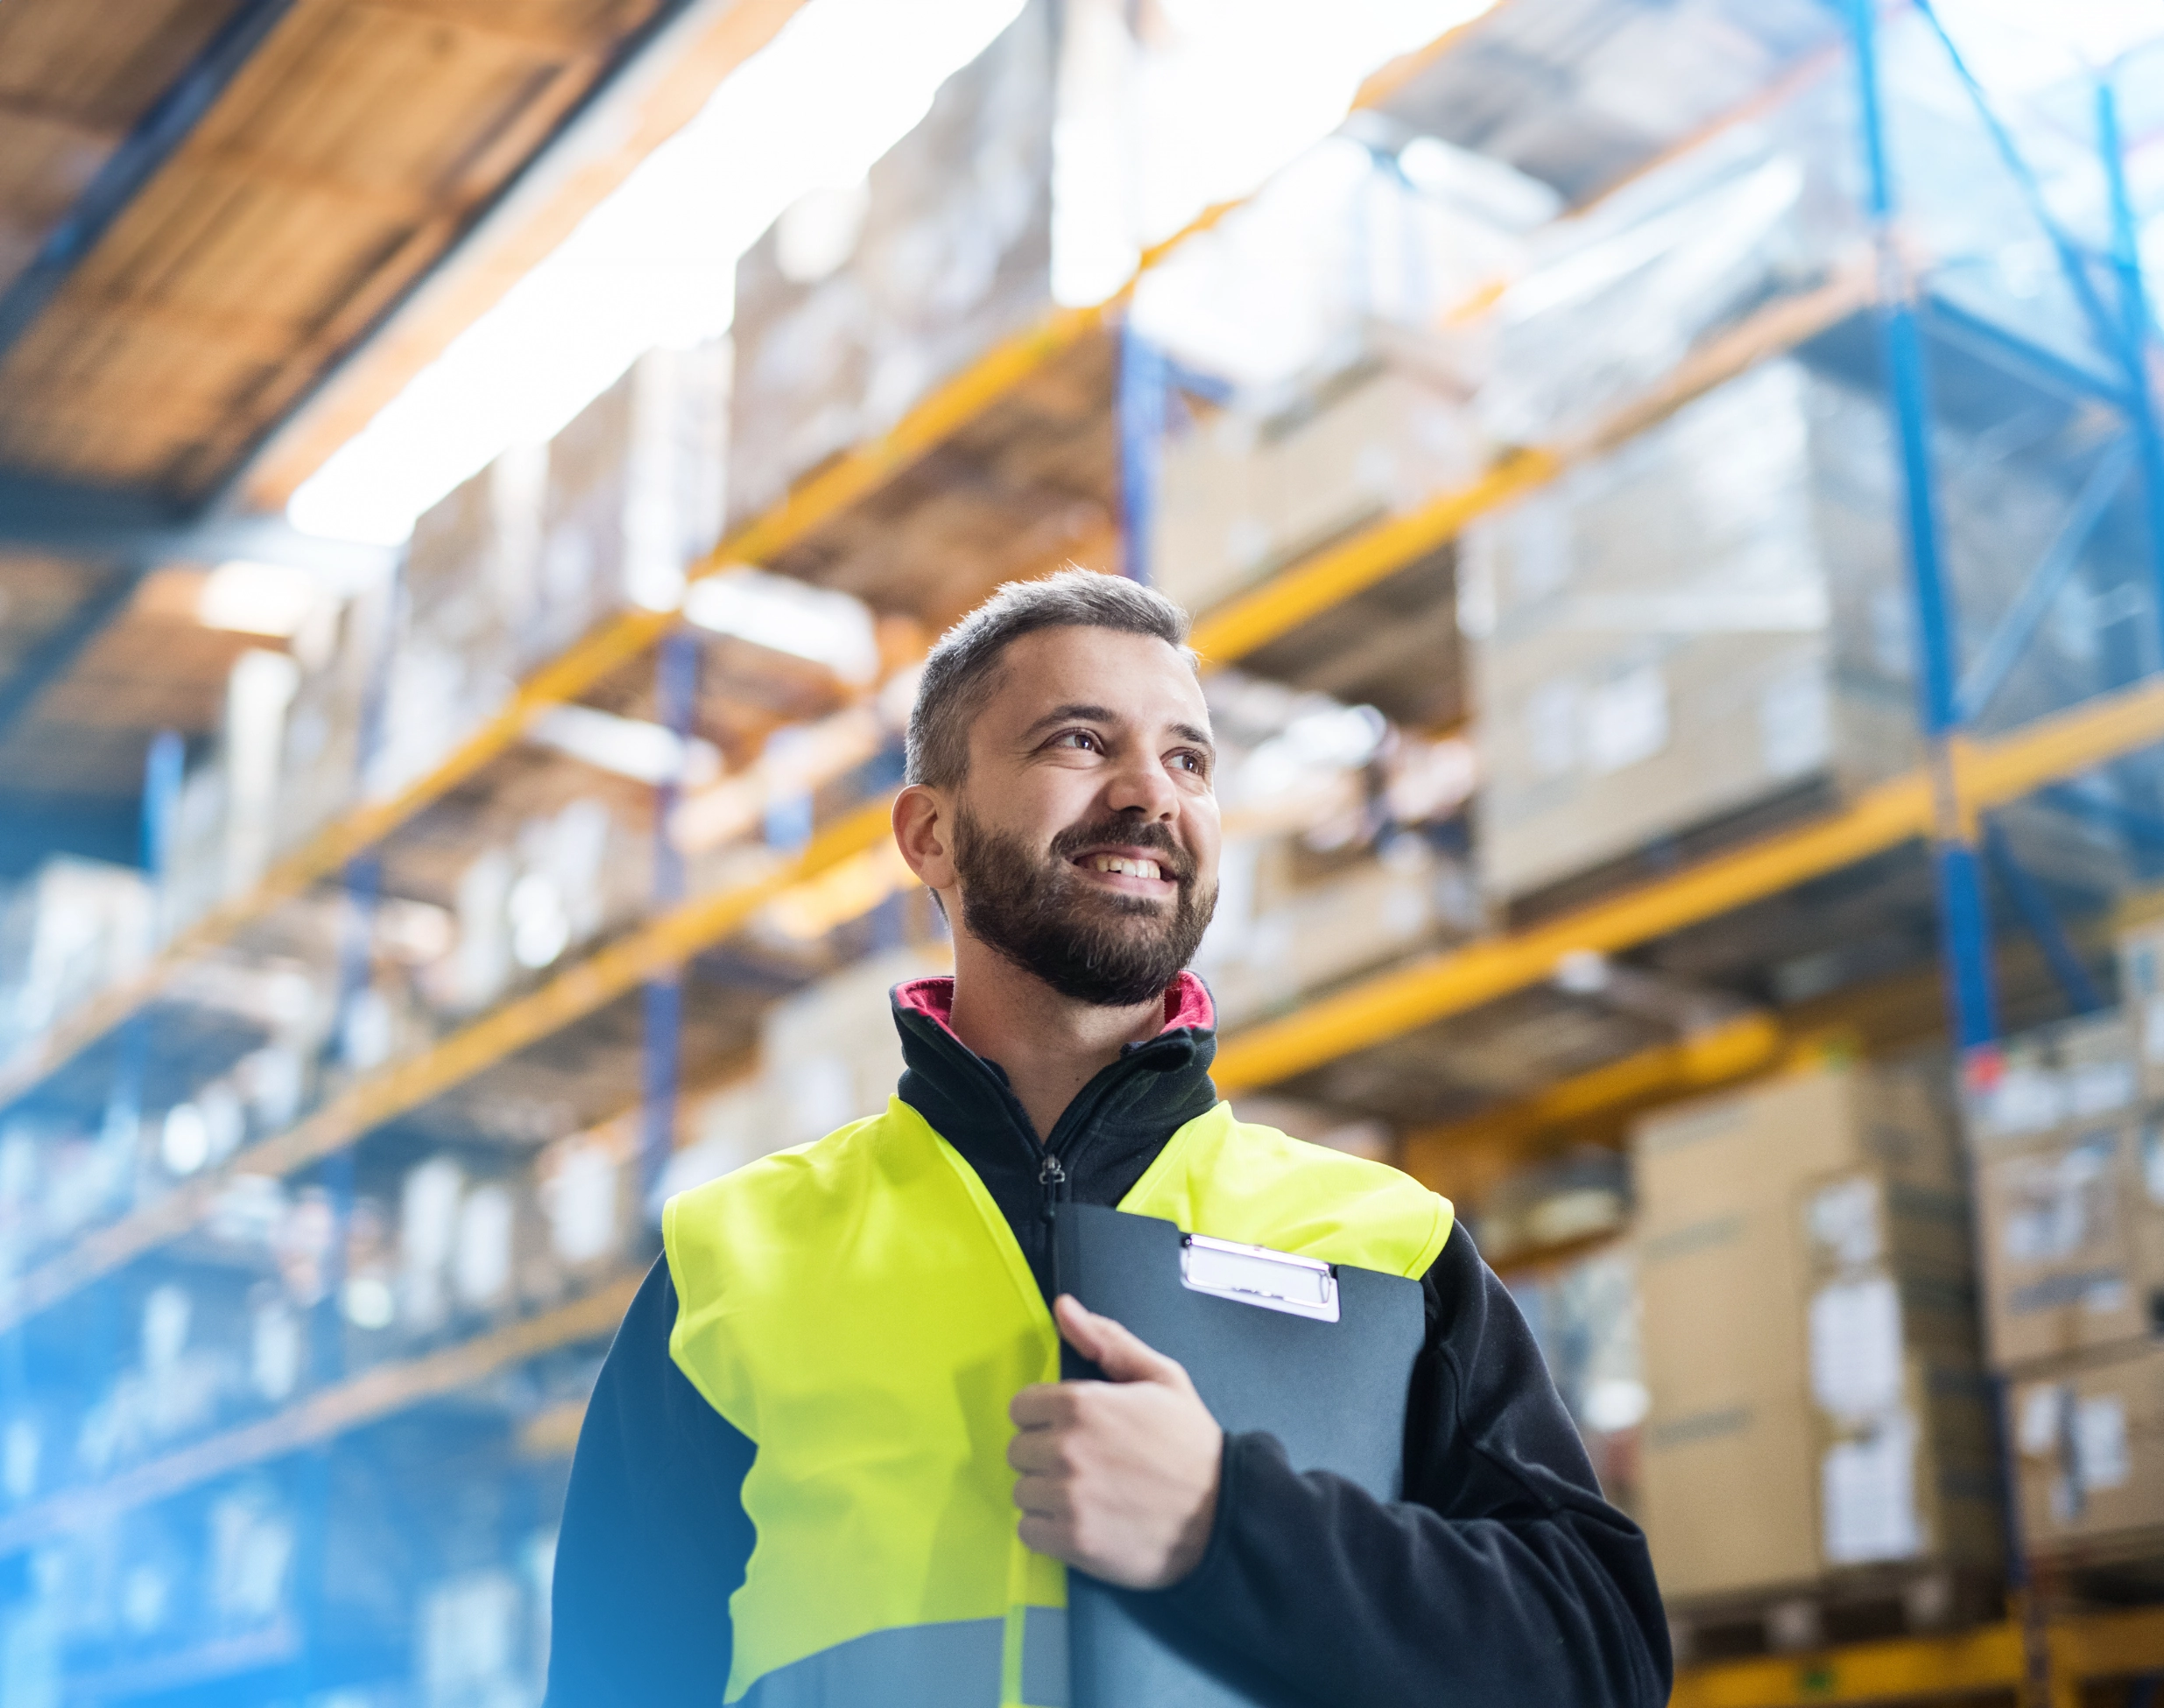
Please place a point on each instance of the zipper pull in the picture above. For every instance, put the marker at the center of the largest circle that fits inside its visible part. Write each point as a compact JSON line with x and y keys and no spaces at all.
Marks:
{"x":1052,"y":1178}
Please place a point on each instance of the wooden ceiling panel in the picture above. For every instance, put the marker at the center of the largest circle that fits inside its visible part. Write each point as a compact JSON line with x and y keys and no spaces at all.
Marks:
{"x":99,"y":65}
{"x":380,"y":97}
{"x":218,"y":240}
{"x":37,"y":595}
{"x":45,"y":163}
{"x":349,"y":153}
{"x":155,"y":667}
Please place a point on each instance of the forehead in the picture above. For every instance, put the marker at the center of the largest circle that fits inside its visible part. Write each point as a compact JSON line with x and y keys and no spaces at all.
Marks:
{"x":1137,"y":678}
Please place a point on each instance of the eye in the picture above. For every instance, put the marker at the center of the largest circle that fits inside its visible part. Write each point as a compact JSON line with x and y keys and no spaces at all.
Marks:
{"x":1193,"y":759}
{"x":1082,"y":740}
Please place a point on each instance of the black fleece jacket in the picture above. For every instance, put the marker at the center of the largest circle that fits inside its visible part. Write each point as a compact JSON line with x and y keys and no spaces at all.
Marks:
{"x":1501,"y":1578}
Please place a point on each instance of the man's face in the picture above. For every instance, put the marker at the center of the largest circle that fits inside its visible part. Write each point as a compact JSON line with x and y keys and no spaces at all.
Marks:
{"x":1086,"y":832}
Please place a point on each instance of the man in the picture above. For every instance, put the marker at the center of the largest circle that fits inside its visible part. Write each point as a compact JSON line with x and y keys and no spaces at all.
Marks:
{"x":828,"y":1461}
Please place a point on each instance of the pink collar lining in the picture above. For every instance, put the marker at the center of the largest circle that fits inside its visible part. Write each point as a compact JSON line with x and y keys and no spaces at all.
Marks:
{"x":1186,"y":1002}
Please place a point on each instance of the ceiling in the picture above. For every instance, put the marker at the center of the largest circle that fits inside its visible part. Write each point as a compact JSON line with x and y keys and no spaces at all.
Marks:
{"x":207,"y":208}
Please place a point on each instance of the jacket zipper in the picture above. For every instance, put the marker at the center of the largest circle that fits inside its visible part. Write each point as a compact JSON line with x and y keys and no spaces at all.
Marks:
{"x":1051,"y":1182}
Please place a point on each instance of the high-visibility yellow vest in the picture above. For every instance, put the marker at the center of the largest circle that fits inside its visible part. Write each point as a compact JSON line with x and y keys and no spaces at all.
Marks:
{"x":860,"y":1309}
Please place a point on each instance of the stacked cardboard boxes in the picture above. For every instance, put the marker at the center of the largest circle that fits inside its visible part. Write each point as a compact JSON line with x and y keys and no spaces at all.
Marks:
{"x":2069,"y":1143}
{"x":1291,"y":922}
{"x":633,"y":496}
{"x":1253,"y":489}
{"x":1714,"y":616}
{"x":67,"y":931}
{"x":1703,"y":619}
{"x":1817,"y":1400}
{"x":852,"y":307}
{"x":467,"y":576}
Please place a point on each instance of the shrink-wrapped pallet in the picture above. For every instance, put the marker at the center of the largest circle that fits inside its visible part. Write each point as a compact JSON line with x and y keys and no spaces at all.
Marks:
{"x":633,"y":496}
{"x":850,"y":309}
{"x":468,"y":587}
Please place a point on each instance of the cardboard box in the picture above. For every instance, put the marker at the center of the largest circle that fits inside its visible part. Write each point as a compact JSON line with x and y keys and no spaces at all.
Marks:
{"x":469,"y":588}
{"x":2089,"y":1442}
{"x":633,"y":496}
{"x":1671,"y":632}
{"x":1810,"y":1329}
{"x":830,"y":1054}
{"x":2073,"y":1239}
{"x":849,"y":313}
{"x":1284,"y":943}
{"x":1714,"y":614}
{"x":2076,"y":1073}
{"x":1245,"y":494}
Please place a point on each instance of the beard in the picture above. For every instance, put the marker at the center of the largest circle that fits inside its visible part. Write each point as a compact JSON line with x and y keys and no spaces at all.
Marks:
{"x":1037,"y":911}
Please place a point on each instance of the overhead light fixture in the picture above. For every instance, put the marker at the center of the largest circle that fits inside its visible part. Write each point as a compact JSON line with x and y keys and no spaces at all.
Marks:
{"x":788,"y":616}
{"x":628,"y":746}
{"x":273,"y":599}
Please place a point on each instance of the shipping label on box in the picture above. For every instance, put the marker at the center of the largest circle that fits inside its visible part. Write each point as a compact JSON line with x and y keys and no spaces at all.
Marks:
{"x":2073,"y":1241}
{"x":2077,"y":1071}
{"x":2089,"y":1442}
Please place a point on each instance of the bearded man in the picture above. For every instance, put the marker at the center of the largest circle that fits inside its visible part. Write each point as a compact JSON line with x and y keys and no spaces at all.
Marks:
{"x":828,"y":1463}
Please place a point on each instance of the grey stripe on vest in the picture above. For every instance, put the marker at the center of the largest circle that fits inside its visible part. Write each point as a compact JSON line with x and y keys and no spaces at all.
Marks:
{"x":954,"y":1665}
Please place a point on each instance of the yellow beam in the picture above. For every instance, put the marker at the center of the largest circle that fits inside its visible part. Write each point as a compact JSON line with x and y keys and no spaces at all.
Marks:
{"x":1986,"y":775}
{"x":2085,"y":1648}
{"x":1720,"y":1054}
{"x":2119,"y":1645}
{"x":1903,"y":1669}
{"x":1284,"y":602}
{"x":554,"y":1433}
{"x":660,"y":945}
{"x":359,"y":1400}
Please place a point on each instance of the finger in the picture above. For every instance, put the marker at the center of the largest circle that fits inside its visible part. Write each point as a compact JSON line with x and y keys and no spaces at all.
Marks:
{"x":1046,"y":1535}
{"x":1044,"y":1497}
{"x":1041,"y":1451}
{"x":1123,"y":1355}
{"x":1042,"y":1406}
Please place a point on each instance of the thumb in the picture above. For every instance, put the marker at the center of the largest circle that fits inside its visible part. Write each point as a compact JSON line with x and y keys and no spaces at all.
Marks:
{"x":1123,"y":1356}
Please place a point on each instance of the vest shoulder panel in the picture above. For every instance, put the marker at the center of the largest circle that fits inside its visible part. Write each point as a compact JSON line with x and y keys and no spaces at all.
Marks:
{"x":1237,"y":1180}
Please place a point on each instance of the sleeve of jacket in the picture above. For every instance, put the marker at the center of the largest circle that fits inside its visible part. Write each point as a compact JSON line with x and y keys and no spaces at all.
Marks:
{"x":1502,"y":1578}
{"x":654,"y":1538}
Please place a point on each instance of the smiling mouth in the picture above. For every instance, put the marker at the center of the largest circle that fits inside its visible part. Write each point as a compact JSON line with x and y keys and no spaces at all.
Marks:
{"x":1121,"y":865}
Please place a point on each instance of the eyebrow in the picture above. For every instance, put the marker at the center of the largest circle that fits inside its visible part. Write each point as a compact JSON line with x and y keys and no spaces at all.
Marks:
{"x":1078,"y":712}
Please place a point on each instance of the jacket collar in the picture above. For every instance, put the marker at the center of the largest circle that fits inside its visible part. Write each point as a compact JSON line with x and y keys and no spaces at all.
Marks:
{"x":1100,"y":1146}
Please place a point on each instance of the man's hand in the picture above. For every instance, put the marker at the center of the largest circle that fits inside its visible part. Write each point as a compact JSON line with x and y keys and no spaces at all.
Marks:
{"x":1118,"y":1478}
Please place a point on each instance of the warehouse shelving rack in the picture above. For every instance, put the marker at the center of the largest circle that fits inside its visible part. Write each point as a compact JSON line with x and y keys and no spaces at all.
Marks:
{"x":1966,"y":779}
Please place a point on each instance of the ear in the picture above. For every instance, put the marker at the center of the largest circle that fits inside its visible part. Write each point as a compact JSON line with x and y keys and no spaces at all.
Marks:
{"x":923,"y":831}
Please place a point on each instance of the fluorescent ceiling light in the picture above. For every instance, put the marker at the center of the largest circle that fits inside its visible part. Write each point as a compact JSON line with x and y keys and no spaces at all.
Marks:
{"x":1243,"y":88}
{"x":259,"y":598}
{"x":628,"y":746}
{"x":655,"y":263}
{"x":792,"y":617}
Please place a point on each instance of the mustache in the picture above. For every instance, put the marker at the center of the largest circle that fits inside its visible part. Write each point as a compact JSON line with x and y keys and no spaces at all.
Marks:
{"x":1126,"y":833}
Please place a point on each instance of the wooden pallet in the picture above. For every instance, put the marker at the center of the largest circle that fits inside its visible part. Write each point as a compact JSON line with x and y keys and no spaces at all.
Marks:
{"x":1860,"y":1606}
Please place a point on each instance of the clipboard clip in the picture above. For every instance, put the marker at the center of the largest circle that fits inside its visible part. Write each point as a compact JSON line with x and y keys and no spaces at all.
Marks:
{"x":1256,"y":1275}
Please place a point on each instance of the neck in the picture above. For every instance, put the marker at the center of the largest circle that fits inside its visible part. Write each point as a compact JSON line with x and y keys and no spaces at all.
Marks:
{"x":1049,"y":1046}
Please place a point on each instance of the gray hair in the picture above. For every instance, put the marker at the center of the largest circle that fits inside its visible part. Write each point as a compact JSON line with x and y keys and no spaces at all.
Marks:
{"x":963,"y":670}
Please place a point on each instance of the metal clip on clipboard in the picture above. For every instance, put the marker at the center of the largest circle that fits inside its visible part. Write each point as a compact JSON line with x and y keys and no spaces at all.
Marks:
{"x":1256,"y":1275}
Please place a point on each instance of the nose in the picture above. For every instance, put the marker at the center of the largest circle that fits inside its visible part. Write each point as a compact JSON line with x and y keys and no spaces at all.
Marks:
{"x":1139,"y":784}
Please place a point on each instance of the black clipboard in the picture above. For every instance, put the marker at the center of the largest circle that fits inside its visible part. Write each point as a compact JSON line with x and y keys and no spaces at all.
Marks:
{"x":1319,"y":1355}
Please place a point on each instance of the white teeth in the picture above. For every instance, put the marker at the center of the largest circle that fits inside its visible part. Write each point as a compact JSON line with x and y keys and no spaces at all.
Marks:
{"x":1119,"y":864}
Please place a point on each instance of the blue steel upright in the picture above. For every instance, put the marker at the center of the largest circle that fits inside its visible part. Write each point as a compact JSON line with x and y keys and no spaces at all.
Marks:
{"x":676,"y":692}
{"x":1139,"y":406}
{"x":2137,"y":328}
{"x":1964,"y":923}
